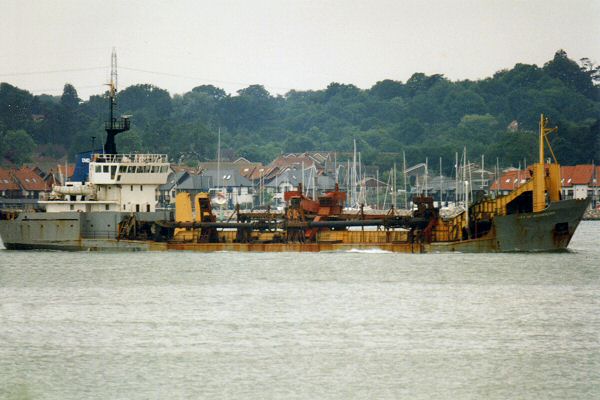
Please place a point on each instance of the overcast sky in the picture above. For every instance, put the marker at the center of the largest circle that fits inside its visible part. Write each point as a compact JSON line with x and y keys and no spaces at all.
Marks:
{"x":282,"y":45}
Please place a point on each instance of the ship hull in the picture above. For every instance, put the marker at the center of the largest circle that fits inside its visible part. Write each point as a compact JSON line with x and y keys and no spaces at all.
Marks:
{"x":548,"y":230}
{"x":73,"y":231}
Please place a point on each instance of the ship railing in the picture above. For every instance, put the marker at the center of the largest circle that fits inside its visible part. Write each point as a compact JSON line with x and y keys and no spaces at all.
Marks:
{"x":131,"y":158}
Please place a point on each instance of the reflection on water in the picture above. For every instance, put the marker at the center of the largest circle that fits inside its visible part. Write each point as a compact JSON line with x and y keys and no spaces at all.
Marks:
{"x":287,"y":325}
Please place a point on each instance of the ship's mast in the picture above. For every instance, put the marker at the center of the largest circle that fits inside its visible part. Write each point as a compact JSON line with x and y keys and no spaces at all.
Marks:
{"x":539,"y":181}
{"x":544,"y":137}
{"x":113,"y":127}
{"x":113,"y":83}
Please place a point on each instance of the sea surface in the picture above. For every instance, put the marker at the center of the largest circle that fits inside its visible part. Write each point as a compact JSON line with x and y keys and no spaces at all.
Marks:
{"x":366,"y":325}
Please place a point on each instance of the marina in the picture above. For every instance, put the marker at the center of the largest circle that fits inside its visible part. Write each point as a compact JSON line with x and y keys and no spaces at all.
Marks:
{"x":113,"y":207}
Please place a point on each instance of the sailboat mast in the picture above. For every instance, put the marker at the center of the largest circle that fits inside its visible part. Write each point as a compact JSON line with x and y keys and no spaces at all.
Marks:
{"x":404,"y":179}
{"x":353,"y":203}
{"x":441,"y":184}
{"x":426,"y":173}
{"x":497,"y":176}
{"x":360,"y":182}
{"x":482,"y":165}
{"x":219,"y":160}
{"x":456,"y":178}
{"x":394,"y":191}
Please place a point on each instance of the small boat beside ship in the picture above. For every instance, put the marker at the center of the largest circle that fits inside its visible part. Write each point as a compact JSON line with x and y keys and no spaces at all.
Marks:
{"x":112,"y":206}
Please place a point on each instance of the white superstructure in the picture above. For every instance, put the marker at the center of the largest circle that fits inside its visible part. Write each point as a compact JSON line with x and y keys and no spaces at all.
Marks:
{"x":116,"y":182}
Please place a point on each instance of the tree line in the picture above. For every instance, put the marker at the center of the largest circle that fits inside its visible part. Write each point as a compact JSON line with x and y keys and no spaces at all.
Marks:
{"x":426,"y":116}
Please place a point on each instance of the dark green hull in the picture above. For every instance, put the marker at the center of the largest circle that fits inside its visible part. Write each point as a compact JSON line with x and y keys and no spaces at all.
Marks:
{"x":548,"y":230}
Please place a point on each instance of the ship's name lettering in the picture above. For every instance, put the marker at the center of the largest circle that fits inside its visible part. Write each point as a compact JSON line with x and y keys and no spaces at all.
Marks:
{"x":546,"y":214}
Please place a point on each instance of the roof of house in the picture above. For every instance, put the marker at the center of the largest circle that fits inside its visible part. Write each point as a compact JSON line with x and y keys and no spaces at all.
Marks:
{"x":226,"y":177}
{"x":260,"y":171}
{"x":511,"y":179}
{"x":288,"y":160}
{"x":29,"y":180}
{"x":582,"y":174}
{"x":69,"y":168}
{"x":578,"y":175}
{"x":240,"y":165}
{"x":7,"y":182}
{"x":179,"y":168}
{"x":174,"y":179}
{"x":195,"y":182}
{"x":293,"y":176}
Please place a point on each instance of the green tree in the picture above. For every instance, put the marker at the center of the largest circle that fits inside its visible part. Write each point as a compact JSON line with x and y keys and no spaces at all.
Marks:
{"x":69,"y":115}
{"x":387,"y":89}
{"x":567,"y":70}
{"x":17,"y":146}
{"x":149,"y":97}
{"x":15,"y":107}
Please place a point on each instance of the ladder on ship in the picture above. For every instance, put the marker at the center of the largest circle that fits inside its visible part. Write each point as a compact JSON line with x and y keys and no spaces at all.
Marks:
{"x":127,"y":227}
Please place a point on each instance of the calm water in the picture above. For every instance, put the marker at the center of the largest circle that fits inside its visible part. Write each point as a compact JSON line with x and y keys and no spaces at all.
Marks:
{"x":333,"y":325}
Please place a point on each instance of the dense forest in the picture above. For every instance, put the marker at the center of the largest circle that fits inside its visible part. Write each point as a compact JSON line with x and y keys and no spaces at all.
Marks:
{"x":426,"y":116}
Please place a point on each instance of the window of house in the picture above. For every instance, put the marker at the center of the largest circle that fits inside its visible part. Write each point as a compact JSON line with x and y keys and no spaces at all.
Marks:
{"x":141,"y":188}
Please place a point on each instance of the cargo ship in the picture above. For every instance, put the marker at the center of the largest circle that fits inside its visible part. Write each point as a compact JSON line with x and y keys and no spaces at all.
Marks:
{"x":111,"y":205}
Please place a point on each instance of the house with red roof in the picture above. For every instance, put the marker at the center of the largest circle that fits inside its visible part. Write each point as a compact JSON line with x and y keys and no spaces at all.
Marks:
{"x":580,"y":181}
{"x":29,"y":182}
{"x":510,"y":180}
{"x":577,"y":181}
{"x":9,"y":188}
